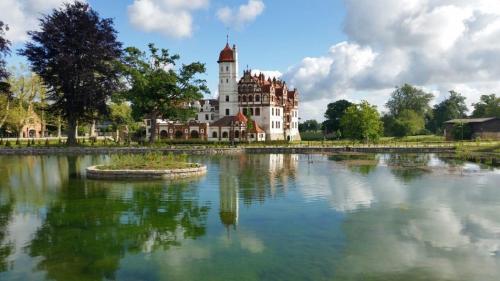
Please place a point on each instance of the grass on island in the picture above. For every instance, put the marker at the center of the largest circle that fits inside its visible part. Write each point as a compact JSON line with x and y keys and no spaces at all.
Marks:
{"x":148,"y":161}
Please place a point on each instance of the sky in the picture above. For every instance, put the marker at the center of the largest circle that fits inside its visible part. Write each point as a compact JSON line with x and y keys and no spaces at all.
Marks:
{"x":327,"y":49}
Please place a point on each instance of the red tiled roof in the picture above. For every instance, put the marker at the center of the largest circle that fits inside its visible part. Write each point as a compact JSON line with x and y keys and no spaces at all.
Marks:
{"x":240,"y":117}
{"x":226,"y":55}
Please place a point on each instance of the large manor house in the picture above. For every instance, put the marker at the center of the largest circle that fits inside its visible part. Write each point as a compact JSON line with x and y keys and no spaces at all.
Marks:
{"x":253,"y":108}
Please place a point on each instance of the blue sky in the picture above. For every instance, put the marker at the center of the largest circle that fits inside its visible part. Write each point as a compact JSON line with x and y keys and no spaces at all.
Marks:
{"x":282,"y":35}
{"x":352,"y":49}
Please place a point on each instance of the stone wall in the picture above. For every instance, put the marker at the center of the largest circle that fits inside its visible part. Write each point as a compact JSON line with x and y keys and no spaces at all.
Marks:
{"x":95,"y":173}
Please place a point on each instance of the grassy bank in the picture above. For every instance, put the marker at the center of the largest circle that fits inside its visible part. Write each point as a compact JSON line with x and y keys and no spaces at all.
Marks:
{"x":149,"y":161}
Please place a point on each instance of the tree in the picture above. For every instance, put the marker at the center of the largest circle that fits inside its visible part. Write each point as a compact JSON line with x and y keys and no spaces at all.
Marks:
{"x":157,"y":89}
{"x":408,"y":97}
{"x":408,"y":123}
{"x":488,"y":106}
{"x":453,"y":107}
{"x":25,"y":89}
{"x":333,"y":115}
{"x":408,"y":109}
{"x":309,"y":126}
{"x":362,"y":122}
{"x":75,"y":53}
{"x":121,"y":117}
{"x":4,"y":75}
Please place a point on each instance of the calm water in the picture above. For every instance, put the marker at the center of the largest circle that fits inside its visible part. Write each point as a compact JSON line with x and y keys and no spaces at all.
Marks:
{"x":253,"y":217}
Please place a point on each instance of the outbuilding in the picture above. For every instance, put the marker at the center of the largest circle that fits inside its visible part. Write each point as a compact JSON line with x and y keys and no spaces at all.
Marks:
{"x":472,"y":128}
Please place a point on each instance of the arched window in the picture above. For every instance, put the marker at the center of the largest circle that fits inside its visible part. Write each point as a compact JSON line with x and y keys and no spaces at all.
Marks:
{"x":214,"y":135}
{"x":237,"y":134}
{"x":251,"y":111}
{"x":244,"y":98}
{"x":194,"y":134}
{"x":224,"y":135}
{"x":257,"y":98}
{"x":178,"y":134}
{"x":250,"y":98}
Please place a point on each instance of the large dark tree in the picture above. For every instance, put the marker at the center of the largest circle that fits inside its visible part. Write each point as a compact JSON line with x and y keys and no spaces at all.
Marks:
{"x":451,"y":108}
{"x":4,"y":51}
{"x":75,"y":53}
{"x":333,"y":114}
{"x":158,"y":89}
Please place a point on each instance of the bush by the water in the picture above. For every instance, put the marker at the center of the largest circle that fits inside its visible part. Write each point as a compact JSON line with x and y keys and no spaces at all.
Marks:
{"x":149,"y":161}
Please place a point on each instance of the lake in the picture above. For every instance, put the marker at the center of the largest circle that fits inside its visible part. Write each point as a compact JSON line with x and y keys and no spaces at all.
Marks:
{"x":253,"y":217}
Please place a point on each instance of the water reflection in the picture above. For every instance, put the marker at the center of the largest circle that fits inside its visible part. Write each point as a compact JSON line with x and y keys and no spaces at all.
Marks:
{"x":253,"y":217}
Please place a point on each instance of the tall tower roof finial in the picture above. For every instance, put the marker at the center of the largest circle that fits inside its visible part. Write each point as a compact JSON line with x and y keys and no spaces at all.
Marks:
{"x":227,"y":37}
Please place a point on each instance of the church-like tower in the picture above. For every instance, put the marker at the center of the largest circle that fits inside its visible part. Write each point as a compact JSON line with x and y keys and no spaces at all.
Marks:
{"x":228,"y":81}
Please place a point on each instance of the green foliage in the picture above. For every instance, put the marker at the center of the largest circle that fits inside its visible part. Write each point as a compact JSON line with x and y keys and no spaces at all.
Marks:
{"x":309,"y":126}
{"x":408,"y":123}
{"x":75,"y":52}
{"x":488,"y":106}
{"x":362,"y":122}
{"x":408,"y":97}
{"x":157,"y":88}
{"x":453,"y":107}
{"x":334,"y":113}
{"x":8,"y":144}
{"x":148,"y":161}
{"x":408,"y":109}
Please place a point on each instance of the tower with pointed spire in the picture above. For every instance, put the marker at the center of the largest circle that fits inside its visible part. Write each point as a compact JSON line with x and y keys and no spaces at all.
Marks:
{"x":228,"y":80}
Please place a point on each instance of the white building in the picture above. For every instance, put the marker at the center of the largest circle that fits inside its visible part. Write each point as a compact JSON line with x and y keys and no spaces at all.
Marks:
{"x":270,"y":110}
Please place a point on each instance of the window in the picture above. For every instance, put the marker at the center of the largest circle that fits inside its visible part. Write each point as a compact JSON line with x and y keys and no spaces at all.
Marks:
{"x":272,"y":124}
{"x":227,"y":111}
{"x":244,"y":98}
{"x":227,"y":80}
{"x":148,"y":122}
{"x":227,"y":68}
{"x":257,"y":98}
{"x":257,"y":111}
{"x":214,"y":134}
{"x":221,"y":69}
{"x":206,"y":116}
{"x":272,"y":111}
{"x":212,"y":117}
{"x":237,"y":134}
{"x":250,"y":98}
{"x":224,"y":135}
{"x":227,"y":98}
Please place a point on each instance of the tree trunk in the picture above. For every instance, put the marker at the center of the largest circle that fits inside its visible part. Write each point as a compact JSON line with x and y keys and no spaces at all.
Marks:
{"x":59,"y":125}
{"x":4,"y":118}
{"x":152,"y":136}
{"x":92,"y":129}
{"x":117,"y":139}
{"x":72,"y":132}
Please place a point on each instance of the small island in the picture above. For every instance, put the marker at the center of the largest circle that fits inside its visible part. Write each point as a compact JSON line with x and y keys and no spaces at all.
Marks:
{"x":152,"y":166}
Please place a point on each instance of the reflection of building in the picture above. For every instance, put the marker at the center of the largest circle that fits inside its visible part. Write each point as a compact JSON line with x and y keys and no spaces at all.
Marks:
{"x":228,"y":193}
{"x":270,"y":110}
{"x":253,"y":178}
{"x":473,"y":128}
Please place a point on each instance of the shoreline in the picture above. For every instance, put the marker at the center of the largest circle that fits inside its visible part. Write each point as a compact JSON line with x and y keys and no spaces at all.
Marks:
{"x":225,"y":150}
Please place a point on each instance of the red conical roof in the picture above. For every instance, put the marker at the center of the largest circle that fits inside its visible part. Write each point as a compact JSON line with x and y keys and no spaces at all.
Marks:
{"x":240,"y":117}
{"x":226,"y":55}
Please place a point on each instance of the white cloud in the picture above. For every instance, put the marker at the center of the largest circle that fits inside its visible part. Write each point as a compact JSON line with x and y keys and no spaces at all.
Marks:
{"x":22,"y":15}
{"x":243,"y":15}
{"x":172,"y":18}
{"x":438,"y":45}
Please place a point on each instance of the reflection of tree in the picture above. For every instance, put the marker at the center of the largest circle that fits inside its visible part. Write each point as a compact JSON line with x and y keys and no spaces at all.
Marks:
{"x":357,"y":162}
{"x":408,"y":166}
{"x":6,"y":247}
{"x":86,"y":234}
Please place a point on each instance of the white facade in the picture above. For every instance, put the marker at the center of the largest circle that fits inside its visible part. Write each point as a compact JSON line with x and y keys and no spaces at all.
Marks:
{"x":228,"y":84}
